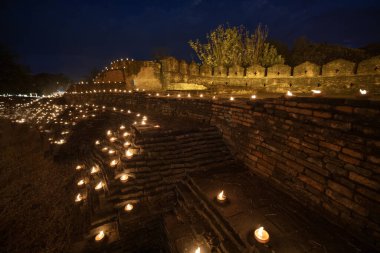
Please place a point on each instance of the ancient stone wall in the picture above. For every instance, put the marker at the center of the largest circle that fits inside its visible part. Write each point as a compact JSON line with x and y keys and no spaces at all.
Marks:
{"x":323,"y":152}
{"x":339,"y":77}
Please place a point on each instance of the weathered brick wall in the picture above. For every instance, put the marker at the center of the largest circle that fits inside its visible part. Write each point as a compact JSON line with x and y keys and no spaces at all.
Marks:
{"x":323,"y":152}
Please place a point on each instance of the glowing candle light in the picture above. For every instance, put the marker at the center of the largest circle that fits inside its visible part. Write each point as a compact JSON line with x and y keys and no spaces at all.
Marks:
{"x":113,"y":163}
{"x":128,"y":153}
{"x":80,"y":182}
{"x":111,"y":151}
{"x":128,"y":207}
{"x":143,"y":122}
{"x":157,"y":94}
{"x":232,"y":98}
{"x":94,"y":169}
{"x":201,"y":95}
{"x":99,"y":186}
{"x":138,"y":115}
{"x":113,"y":139}
{"x":79,"y":167}
{"x":261,"y":235}
{"x":109,"y":133}
{"x":188,"y":95}
{"x":100,"y":236}
{"x":78,"y":198}
{"x":221,"y":197}
{"x":179,"y":95}
{"x":126,"y":144}
{"x":105,"y":149}
{"x":289,"y":93}
{"x":122,"y":127}
{"x":124,"y":178}
{"x":363,"y":92}
{"x":157,"y":126}
{"x":198,"y":250}
{"x":125,"y":134}
{"x":253,"y":97}
{"x":97,"y":142}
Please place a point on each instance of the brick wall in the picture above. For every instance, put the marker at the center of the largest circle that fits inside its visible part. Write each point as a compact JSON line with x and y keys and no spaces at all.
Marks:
{"x":324,"y":152}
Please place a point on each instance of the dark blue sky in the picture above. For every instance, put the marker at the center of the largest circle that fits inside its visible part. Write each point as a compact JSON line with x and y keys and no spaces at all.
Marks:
{"x":73,"y":37}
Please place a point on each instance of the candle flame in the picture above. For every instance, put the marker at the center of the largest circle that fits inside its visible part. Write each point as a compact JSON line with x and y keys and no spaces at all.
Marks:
{"x":109,"y":133}
{"x":125,"y":134}
{"x":128,"y":153}
{"x":113,"y":163}
{"x":124,"y":178}
{"x":113,"y":139}
{"x":198,"y":250}
{"x":128,"y":207}
{"x":253,"y":97}
{"x":122,"y":127}
{"x":232,"y":98}
{"x":99,"y":186}
{"x":80,"y":182}
{"x":94,"y":169}
{"x":78,"y":167}
{"x":260,"y":232}
{"x":78,"y":198}
{"x":316,"y":91}
{"x":97,"y":142}
{"x":100,"y":236}
{"x":221,"y":196}
{"x":289,"y":93}
{"x":363,"y":92}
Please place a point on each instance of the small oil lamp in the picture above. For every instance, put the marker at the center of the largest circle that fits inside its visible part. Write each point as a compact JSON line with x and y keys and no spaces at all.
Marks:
{"x":99,"y":186}
{"x":113,"y":163}
{"x":128,"y":153}
{"x":78,"y":198}
{"x":261,"y":235}
{"x":124,"y":178}
{"x":100,"y":236}
{"x":94,"y":169}
{"x":128,"y":207}
{"x":221,"y":197}
{"x":80,"y":182}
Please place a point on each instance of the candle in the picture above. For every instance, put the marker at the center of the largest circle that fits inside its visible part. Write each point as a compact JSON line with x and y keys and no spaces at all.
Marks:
{"x":105,"y":149}
{"x":253,"y":97}
{"x":99,"y":186}
{"x":113,"y":163}
{"x":79,"y":167}
{"x":198,"y":250}
{"x":363,"y":92}
{"x":125,"y":134}
{"x":128,"y":207}
{"x":129,"y":153}
{"x":122,"y":127}
{"x":124,"y":178}
{"x":99,"y":236}
{"x":221,"y":197}
{"x":80,"y":182}
{"x":113,"y":139}
{"x":94,"y":169}
{"x":111,"y":152}
{"x":261,"y":235}
{"x":289,"y":93}
{"x":143,"y":122}
{"x":157,"y":126}
{"x":316,"y":91}
{"x":232,"y":98}
{"x":126,"y":144}
{"x":109,"y":133}
{"x":78,"y":198}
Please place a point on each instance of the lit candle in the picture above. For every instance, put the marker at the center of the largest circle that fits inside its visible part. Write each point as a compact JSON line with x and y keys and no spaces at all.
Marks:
{"x":157,"y":126}
{"x":113,"y":139}
{"x":125,"y":134}
{"x":78,"y":198}
{"x":198,"y":250}
{"x":129,"y":153}
{"x":201,"y":95}
{"x":80,"y":182}
{"x":109,"y":133}
{"x":253,"y":97}
{"x":111,"y":152}
{"x":126,"y":144}
{"x":221,"y":197}
{"x":261,"y":235}
{"x":289,"y":93}
{"x":105,"y":149}
{"x":232,"y":98}
{"x":113,"y":163}
{"x":100,"y":236}
{"x":124,"y":178}
{"x":363,"y":92}
{"x":122,"y":127}
{"x":79,"y":167}
{"x":94,"y":169}
{"x":99,"y":186}
{"x":143,"y":122}
{"x":128,"y":207}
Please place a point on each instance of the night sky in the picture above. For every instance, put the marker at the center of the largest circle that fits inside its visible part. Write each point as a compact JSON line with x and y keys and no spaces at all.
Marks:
{"x":73,"y":37}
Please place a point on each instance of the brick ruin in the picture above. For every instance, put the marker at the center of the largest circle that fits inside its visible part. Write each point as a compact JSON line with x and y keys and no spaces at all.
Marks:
{"x":322,"y":152}
{"x":336,"y":77}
